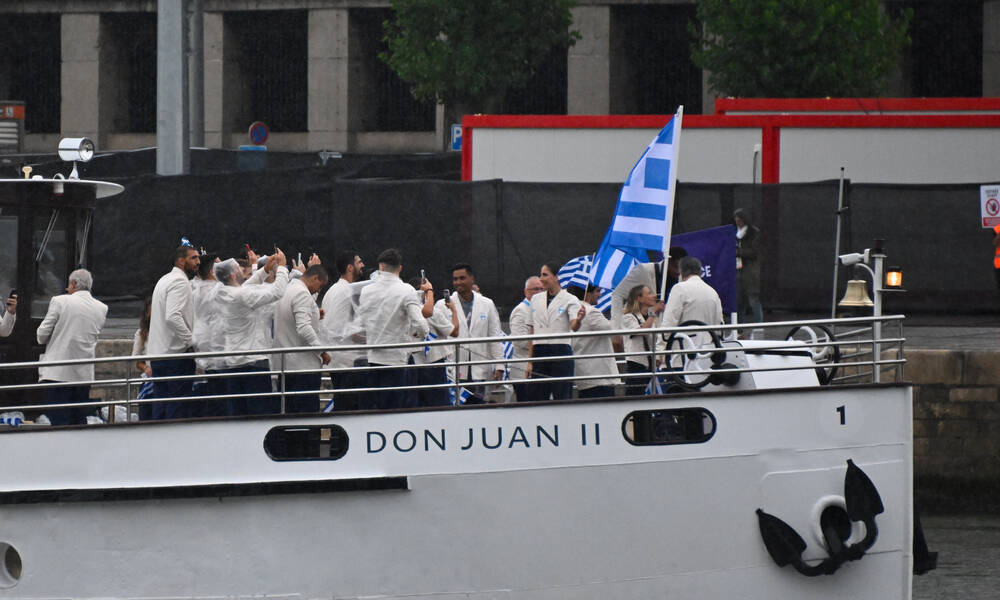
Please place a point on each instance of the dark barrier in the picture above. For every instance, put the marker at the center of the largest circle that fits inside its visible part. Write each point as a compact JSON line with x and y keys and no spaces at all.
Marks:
{"x":506,"y":230}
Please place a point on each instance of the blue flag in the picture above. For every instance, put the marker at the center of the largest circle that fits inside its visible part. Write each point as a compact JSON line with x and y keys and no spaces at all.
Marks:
{"x":716,"y":248}
{"x":645,"y":209}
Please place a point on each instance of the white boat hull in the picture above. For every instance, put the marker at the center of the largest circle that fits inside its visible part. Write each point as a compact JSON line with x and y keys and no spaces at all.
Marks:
{"x":563,"y":507}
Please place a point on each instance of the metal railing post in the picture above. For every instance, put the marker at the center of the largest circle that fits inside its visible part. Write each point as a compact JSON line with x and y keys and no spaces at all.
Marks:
{"x":283,"y":382}
{"x":458,"y":375}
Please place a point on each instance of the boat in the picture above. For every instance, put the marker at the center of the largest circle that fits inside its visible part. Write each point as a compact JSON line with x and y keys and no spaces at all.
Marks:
{"x":783,"y":468}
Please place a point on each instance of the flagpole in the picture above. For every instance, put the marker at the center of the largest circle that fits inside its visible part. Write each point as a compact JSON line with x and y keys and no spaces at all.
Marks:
{"x":669,"y":221}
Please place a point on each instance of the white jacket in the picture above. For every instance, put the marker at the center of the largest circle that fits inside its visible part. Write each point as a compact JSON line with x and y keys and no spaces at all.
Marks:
{"x":247,"y":312}
{"x":339,"y":316}
{"x":553,"y":317}
{"x":69,"y":330}
{"x":519,"y":326}
{"x":594,"y":321}
{"x":440,"y":326}
{"x":483,"y":322}
{"x":171,"y":322}
{"x":296,"y":323}
{"x":390,"y":314}
{"x":207,"y":335}
{"x":7,"y":322}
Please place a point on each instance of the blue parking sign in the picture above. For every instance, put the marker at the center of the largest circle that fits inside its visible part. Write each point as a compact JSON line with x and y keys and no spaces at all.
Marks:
{"x":456,"y":137}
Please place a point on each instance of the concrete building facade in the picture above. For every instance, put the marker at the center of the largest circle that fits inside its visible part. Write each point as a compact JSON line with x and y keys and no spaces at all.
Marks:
{"x":310,"y":70}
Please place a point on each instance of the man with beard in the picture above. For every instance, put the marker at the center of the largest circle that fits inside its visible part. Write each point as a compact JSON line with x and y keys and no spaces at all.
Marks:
{"x":171,"y":324}
{"x":339,"y":313}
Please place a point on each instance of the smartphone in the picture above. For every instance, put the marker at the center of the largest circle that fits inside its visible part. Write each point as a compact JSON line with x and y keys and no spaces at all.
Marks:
{"x":447,"y":294}
{"x":300,"y":258}
{"x":422,"y":276}
{"x":13,"y":293}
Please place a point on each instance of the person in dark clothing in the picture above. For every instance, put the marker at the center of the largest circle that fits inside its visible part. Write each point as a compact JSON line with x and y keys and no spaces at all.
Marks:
{"x":748,"y":266}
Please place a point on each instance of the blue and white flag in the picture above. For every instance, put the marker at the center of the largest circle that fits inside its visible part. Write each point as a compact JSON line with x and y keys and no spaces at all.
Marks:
{"x":576,"y":272}
{"x":645,"y":209}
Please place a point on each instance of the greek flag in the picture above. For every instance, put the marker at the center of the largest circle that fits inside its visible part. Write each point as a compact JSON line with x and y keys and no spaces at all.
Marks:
{"x":645,"y":209}
{"x":576,"y":272}
{"x":508,"y":354}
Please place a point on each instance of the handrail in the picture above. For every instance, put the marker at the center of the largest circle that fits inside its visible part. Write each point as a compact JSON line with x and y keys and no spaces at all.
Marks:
{"x":863,"y":330}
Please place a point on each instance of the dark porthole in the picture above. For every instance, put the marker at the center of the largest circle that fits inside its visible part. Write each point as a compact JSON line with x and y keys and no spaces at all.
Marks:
{"x":306,"y":442}
{"x":10,"y":567}
{"x":668,"y":426}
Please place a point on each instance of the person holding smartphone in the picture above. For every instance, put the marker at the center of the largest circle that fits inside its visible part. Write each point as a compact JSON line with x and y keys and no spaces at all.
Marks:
{"x":9,"y":315}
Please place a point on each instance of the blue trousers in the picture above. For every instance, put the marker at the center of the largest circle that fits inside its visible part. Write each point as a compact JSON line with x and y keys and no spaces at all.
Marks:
{"x":172,"y":389}
{"x":432,"y":376}
{"x":558,"y":390}
{"x":76,"y":415}
{"x":306,"y":403}
{"x":398,"y":376}
{"x":251,"y":380}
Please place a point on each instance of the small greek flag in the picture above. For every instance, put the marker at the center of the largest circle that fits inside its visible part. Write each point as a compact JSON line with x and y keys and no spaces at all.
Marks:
{"x":463,"y":394}
{"x":508,"y":354}
{"x":430,"y":337}
{"x":186,"y":242}
{"x":644,"y":213}
{"x":576,"y":272}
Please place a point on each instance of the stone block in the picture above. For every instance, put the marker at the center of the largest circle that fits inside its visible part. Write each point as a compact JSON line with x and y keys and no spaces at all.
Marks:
{"x":973,"y":394}
{"x":982,"y":367}
{"x":942,"y":367}
{"x":931,"y":393}
{"x":958,"y":428}
{"x":594,"y":25}
{"x":948,"y":410}
{"x":588,"y":85}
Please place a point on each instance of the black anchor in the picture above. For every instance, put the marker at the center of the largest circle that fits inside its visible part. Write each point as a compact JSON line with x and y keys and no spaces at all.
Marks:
{"x":862,"y":502}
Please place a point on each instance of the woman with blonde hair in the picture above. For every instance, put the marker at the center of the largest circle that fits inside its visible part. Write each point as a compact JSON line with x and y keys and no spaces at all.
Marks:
{"x":641,"y":310}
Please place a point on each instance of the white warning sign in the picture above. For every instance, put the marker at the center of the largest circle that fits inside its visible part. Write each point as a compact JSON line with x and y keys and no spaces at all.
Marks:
{"x":989,"y":205}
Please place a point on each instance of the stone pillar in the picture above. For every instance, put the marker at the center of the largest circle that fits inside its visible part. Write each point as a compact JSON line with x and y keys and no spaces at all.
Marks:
{"x":80,"y":111}
{"x":328,"y":79}
{"x":172,"y":119}
{"x":588,"y":68}
{"x":214,"y":73}
{"x":991,"y":48}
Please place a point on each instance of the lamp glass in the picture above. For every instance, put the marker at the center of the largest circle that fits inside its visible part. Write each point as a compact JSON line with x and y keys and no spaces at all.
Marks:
{"x":894,"y":277}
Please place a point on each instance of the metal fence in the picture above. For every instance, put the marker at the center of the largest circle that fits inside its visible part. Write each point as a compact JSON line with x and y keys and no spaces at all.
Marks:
{"x":841,"y":351}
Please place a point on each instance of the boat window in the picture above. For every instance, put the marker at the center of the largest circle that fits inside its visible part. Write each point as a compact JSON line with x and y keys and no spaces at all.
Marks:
{"x":668,"y":426}
{"x":8,"y":255}
{"x":51,"y":244}
{"x":306,"y":442}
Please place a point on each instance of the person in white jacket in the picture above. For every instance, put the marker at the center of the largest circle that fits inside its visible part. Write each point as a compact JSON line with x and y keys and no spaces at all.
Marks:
{"x":296,"y":324}
{"x":9,"y":315}
{"x":243,"y":330}
{"x":391,"y":313}
{"x":443,"y":324}
{"x":554,"y":311}
{"x":340,"y":313}
{"x":592,"y":319}
{"x":171,"y":326}
{"x":519,"y":326}
{"x":477,"y":318}
{"x":69,"y":331}
{"x":205,"y":336}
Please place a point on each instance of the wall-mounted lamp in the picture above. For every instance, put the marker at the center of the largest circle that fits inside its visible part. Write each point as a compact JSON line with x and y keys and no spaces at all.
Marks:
{"x":894,"y":277}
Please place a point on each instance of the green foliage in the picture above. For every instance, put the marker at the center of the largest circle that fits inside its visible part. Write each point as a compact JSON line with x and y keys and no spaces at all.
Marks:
{"x":798,"y":48}
{"x":470,"y":52}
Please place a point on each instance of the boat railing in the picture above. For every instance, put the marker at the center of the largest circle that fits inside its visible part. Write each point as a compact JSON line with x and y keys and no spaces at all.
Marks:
{"x":847,"y":350}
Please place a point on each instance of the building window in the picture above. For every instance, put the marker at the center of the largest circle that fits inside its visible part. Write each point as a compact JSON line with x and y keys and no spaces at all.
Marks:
{"x":945,"y":57}
{"x":545,"y":93}
{"x":128,"y":71}
{"x":381,"y":100}
{"x":30,"y":68}
{"x":272,"y":53}
{"x":651,"y":67}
